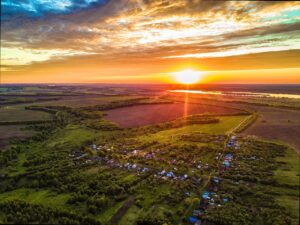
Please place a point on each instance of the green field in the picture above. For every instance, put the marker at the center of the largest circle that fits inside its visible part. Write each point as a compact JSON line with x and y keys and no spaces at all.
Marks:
{"x":72,"y":136}
{"x":288,"y":174}
{"x":81,"y":101}
{"x":44,"y":197}
{"x":290,"y":170}
{"x":226,"y":124}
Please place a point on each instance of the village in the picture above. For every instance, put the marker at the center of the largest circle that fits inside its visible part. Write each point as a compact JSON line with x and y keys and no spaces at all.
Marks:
{"x":209,"y":199}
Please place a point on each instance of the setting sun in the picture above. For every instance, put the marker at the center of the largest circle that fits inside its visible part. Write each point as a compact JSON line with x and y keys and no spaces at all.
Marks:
{"x":187,"y":76}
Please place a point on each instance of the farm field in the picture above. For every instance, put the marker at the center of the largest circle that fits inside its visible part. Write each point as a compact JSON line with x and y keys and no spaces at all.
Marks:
{"x":142,"y":115}
{"x":18,"y":113}
{"x":133,"y":161}
{"x":273,"y":123}
{"x":80,"y":101}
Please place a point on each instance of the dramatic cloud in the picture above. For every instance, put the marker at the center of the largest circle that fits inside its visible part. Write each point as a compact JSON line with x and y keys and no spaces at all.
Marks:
{"x":34,"y":32}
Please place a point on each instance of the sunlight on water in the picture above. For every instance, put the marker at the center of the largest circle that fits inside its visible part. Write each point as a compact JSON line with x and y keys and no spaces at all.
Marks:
{"x":249,"y":94}
{"x":197,"y":92}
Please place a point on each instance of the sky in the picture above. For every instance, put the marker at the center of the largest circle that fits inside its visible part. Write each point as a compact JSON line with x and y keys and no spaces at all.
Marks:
{"x":145,"y":41}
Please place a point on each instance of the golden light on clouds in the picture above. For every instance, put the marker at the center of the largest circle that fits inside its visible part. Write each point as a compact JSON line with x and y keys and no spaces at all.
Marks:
{"x":148,"y":40}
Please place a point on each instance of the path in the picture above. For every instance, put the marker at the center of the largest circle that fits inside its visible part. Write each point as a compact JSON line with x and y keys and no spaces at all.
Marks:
{"x":121,"y":212}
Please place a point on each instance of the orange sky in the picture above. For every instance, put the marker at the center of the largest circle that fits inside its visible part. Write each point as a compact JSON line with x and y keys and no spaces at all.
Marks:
{"x":146,"y":41}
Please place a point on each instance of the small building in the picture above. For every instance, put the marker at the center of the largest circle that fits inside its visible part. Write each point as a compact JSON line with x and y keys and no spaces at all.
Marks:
{"x":170,"y":174}
{"x":216,"y":180}
{"x":226,"y":163}
{"x":206,"y":195}
{"x":225,"y":200}
{"x":193,"y":219}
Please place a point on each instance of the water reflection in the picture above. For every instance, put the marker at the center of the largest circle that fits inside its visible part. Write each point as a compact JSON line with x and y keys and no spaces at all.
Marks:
{"x":241,"y":94}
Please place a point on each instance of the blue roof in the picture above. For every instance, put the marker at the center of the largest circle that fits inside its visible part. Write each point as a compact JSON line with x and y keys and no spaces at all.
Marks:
{"x":170,"y":174}
{"x":226,"y":163}
{"x":193,"y":219}
{"x":205,"y":195}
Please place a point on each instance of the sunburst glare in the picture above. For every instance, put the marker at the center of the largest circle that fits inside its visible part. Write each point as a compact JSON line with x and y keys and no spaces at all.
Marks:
{"x":188,"y":76}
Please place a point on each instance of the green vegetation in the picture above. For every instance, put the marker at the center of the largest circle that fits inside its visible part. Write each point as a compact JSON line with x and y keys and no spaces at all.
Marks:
{"x":43,"y":197}
{"x":287,"y":175}
{"x":225,"y":124}
{"x":82,"y":169}
{"x":289,"y":170}
{"x":253,"y":172}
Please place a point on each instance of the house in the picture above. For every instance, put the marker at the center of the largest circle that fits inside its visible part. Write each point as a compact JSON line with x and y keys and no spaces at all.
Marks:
{"x":216,"y":180}
{"x":172,"y":161}
{"x":145,"y":170}
{"x":192,"y":219}
{"x":198,"y":213}
{"x":134,"y":152}
{"x":228,"y":156}
{"x":149,"y":155}
{"x":206,"y":195}
{"x":225,"y":200}
{"x":162,"y":172}
{"x":170,"y":174}
{"x":226,"y":163}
